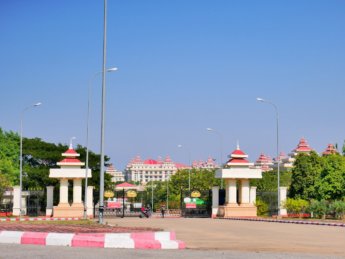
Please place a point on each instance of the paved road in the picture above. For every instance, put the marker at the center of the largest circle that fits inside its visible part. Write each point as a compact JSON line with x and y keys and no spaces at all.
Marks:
{"x":51,"y":252}
{"x":248,"y":236}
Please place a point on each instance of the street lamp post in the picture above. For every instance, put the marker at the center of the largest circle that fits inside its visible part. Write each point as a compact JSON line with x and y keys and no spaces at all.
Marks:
{"x":221,"y":150}
{"x":152,"y":195}
{"x":21,"y":156}
{"x":112,"y":69}
{"x":180,"y":146}
{"x":167,"y":180}
{"x":101,"y":173}
{"x":278,"y":158}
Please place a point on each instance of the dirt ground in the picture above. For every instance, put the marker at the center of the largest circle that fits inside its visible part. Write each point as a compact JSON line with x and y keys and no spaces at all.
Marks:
{"x":246,"y":235}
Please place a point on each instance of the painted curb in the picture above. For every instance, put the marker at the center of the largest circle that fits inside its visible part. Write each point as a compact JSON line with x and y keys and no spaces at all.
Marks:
{"x":138,"y":240}
{"x":37,"y":219}
{"x":289,"y":221}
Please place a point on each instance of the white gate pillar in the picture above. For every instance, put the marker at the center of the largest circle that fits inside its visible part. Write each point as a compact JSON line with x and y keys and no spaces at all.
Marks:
{"x":282,"y":194}
{"x":215,"y":201}
{"x":90,"y":201}
{"x":50,"y":198}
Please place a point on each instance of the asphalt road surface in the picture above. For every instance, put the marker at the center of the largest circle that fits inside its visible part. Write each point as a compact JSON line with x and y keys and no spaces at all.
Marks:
{"x":33,"y":252}
{"x":248,"y":236}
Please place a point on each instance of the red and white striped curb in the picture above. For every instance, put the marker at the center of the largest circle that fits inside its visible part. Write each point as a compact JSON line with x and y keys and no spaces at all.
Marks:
{"x":290,"y":221}
{"x":36,"y":219}
{"x":140,"y":240}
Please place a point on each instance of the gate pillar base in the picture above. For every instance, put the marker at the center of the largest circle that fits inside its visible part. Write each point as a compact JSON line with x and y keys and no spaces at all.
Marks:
{"x":64,"y":210}
{"x":235,"y":210}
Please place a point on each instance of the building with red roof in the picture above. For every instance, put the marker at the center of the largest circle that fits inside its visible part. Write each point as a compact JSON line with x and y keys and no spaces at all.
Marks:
{"x":116,"y":175}
{"x":264,"y":162}
{"x":302,"y":147}
{"x":330,"y":150}
{"x":144,"y":171}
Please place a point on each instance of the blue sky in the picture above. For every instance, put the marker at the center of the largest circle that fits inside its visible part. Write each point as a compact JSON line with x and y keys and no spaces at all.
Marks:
{"x":183,"y":66}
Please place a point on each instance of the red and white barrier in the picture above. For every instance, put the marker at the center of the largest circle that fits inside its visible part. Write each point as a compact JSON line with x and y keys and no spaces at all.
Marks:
{"x":141,"y":240}
{"x":36,"y":219}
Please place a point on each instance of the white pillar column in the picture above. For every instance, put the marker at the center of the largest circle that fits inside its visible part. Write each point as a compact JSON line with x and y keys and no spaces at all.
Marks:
{"x":90,"y":201}
{"x":244,"y":191}
{"x":16,"y":198}
{"x":77,"y":189}
{"x":232,"y":189}
{"x":282,"y":195}
{"x":63,"y":191}
{"x":215,"y":201}
{"x":253,"y":195}
{"x":50,"y":198}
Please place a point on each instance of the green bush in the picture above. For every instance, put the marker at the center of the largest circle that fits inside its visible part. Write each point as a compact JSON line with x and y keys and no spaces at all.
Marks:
{"x":319,"y":208}
{"x":296,"y":206}
{"x":338,"y":209}
{"x":262,"y":207}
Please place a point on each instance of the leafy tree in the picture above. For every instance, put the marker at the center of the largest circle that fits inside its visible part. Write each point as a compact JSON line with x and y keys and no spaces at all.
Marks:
{"x":319,"y":208}
{"x":331,"y":183}
{"x":296,"y":206}
{"x":338,"y":208}
{"x":4,"y":184}
{"x":269,"y":180}
{"x":306,"y":172}
{"x":9,"y":156}
{"x":40,"y":156}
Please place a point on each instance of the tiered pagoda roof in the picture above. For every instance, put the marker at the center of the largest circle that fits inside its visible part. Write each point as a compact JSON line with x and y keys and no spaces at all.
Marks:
{"x":330,"y":150}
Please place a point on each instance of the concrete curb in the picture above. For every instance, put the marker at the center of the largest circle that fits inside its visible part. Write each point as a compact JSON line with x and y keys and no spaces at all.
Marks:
{"x":36,"y":219}
{"x":289,"y":221}
{"x":139,"y":240}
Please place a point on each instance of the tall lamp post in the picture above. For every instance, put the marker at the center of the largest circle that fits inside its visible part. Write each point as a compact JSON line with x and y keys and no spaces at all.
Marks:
{"x":180,"y":146}
{"x":152,"y":195}
{"x":278,"y":158}
{"x":21,"y":156}
{"x":101,"y":173}
{"x":221,"y":150}
{"x":112,"y":69}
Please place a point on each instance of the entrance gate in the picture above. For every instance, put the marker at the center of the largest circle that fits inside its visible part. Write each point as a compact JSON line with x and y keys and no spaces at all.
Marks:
{"x":35,"y":203}
{"x":197,"y":205}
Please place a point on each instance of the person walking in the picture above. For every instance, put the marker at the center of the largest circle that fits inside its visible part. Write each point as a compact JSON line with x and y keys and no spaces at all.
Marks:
{"x":162,"y":210}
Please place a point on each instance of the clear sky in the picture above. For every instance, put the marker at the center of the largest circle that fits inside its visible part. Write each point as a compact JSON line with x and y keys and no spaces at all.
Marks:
{"x":183,"y":66}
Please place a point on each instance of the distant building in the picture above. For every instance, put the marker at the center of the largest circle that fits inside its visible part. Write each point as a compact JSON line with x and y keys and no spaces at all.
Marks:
{"x":330,"y":150}
{"x":116,"y":176}
{"x":208,"y":164}
{"x":264,"y":163}
{"x":144,"y":171}
{"x":302,"y":147}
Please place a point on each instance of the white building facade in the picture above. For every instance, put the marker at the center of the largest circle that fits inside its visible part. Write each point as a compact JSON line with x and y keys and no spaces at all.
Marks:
{"x":116,"y":176}
{"x":144,"y":171}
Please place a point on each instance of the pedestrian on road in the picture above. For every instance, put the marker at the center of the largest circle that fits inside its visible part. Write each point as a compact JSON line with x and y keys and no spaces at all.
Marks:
{"x":162,"y":210}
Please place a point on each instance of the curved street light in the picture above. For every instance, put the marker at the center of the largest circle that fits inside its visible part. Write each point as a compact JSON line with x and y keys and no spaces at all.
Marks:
{"x":278,"y":158}
{"x":189,"y":154}
{"x":221,"y":150}
{"x":112,"y":69}
{"x":21,"y":155}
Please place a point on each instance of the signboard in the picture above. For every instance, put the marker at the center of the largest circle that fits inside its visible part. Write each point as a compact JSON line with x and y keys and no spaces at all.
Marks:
{"x":131,"y":194}
{"x":137,"y":205}
{"x":114,"y":205}
{"x":190,"y":206}
{"x":109,"y":194}
{"x":187,"y":200}
{"x":195,"y":194}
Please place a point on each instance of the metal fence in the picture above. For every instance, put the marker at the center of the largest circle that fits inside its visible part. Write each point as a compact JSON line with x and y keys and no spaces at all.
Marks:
{"x":271,"y":199}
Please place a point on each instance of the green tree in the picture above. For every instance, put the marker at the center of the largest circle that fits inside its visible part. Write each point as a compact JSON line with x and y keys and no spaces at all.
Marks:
{"x":306,"y":172}
{"x":4,"y":184}
{"x":331,"y":183}
{"x":269,"y":180}
{"x":9,"y":156}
